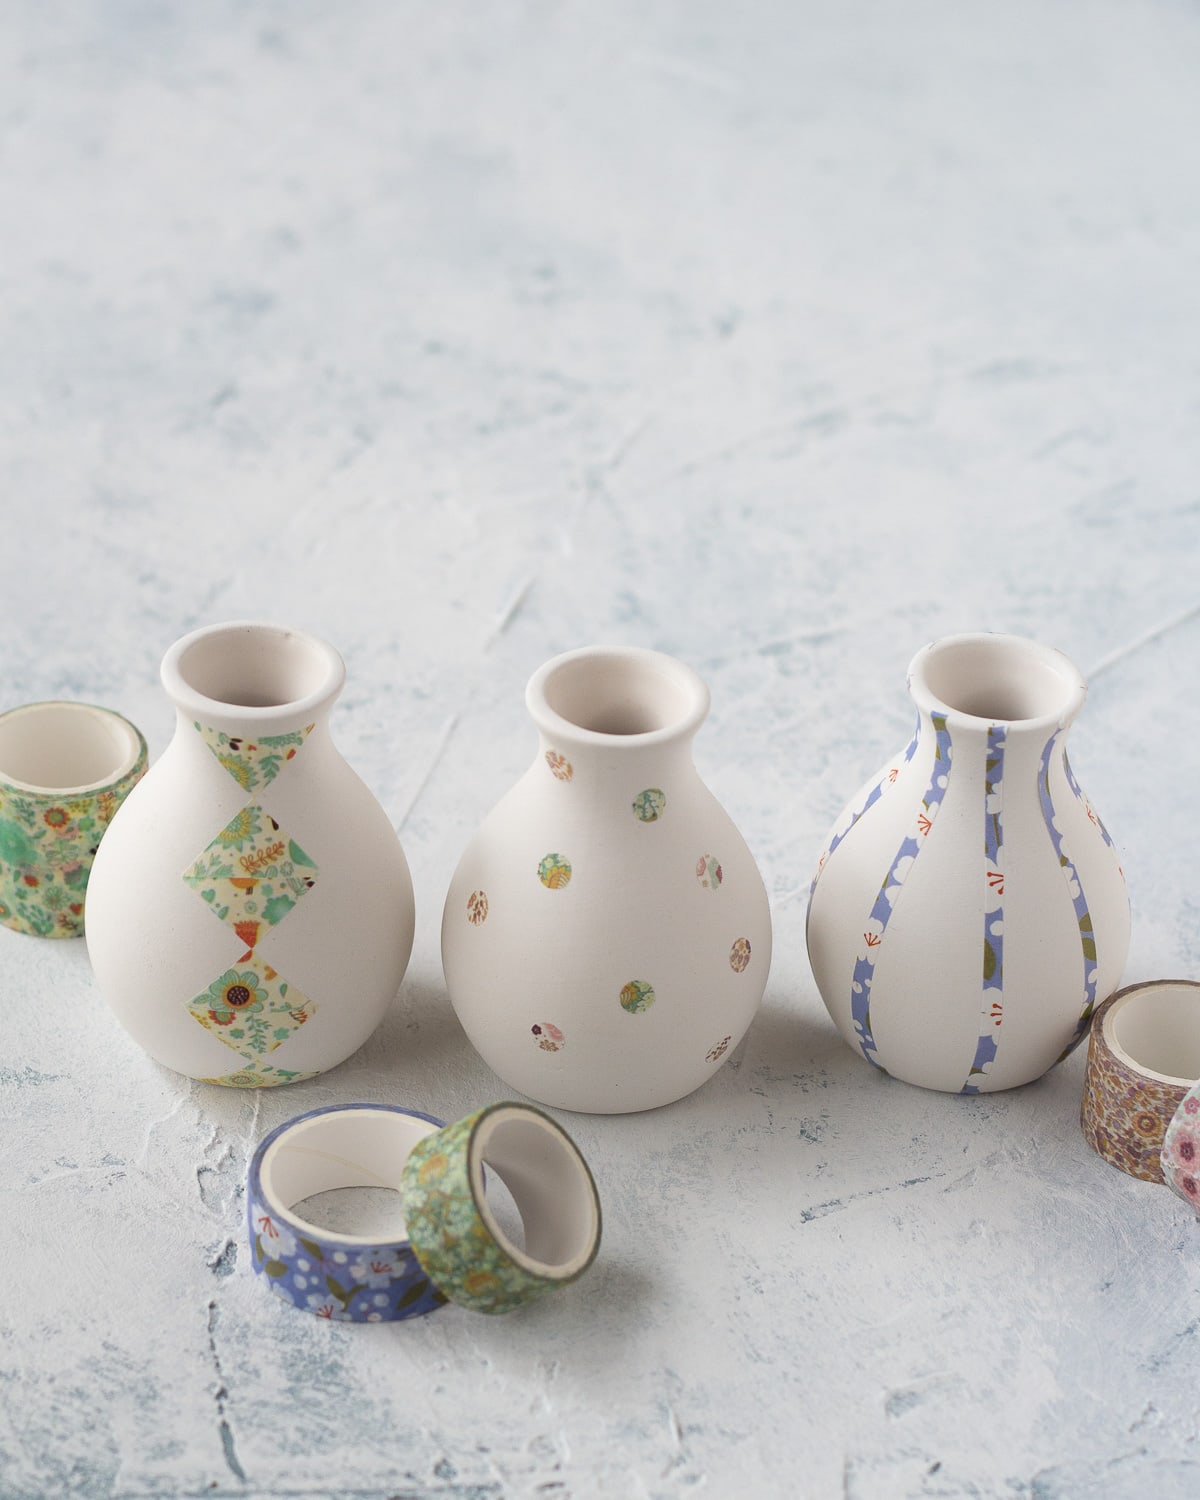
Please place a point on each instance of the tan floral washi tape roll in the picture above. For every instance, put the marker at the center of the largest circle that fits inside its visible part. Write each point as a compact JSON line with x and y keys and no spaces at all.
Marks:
{"x":454,"y":1234}
{"x":1143,"y":1059}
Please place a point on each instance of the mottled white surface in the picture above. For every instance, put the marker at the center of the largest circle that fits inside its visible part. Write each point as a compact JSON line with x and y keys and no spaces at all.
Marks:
{"x":781,"y":336}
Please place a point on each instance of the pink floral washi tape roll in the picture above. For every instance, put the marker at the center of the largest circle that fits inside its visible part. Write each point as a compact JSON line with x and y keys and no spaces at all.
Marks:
{"x":1142,"y":1067}
{"x":1181,"y":1150}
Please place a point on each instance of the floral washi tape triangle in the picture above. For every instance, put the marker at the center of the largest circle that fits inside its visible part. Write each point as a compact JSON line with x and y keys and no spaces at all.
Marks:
{"x":251,"y":1009}
{"x":259,"y":1076}
{"x":253,"y":762}
{"x":252,"y":874}
{"x":1181,"y":1149}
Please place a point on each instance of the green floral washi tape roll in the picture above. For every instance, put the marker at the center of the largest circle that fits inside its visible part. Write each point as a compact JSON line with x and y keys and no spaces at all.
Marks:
{"x":65,"y":769}
{"x":463,"y":1250}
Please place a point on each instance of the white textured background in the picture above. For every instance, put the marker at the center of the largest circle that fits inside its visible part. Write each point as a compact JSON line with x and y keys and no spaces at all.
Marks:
{"x":781,"y":336}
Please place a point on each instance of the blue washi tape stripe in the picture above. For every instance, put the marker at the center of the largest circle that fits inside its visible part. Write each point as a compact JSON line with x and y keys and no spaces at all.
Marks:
{"x":343,"y":1277}
{"x":877,"y":790}
{"x":1078,"y":791}
{"x":1087,"y":939}
{"x":992,"y":1006}
{"x":890,"y":889}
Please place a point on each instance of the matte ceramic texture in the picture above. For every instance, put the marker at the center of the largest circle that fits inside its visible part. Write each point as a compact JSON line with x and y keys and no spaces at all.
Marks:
{"x":606,"y":936}
{"x":343,"y":1277}
{"x":1143,"y":1058}
{"x":969,"y":909}
{"x":65,"y":769}
{"x":251,"y":911}
{"x":464,"y":1250}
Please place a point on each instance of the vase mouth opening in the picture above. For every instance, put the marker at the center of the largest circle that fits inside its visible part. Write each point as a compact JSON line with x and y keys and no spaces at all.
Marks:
{"x":66,"y":749}
{"x":616,"y":695}
{"x":997,"y":678}
{"x":1155,"y":1028}
{"x":267,"y":671}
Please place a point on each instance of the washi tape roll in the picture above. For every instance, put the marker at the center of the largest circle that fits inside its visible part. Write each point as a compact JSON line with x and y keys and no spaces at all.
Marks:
{"x":1143,"y":1060}
{"x":65,"y":769}
{"x":352,"y":1278}
{"x":453,"y":1231}
{"x":1181,"y":1150}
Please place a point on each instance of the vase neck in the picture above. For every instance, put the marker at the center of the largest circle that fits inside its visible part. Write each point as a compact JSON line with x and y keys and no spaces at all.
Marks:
{"x":617,"y":706}
{"x":620,"y":764}
{"x":969,"y":731}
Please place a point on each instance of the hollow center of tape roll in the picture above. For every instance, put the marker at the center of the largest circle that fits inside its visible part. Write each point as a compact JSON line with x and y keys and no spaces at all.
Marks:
{"x":372,"y":1213}
{"x":354,"y":1148}
{"x":550,"y":1185}
{"x":61,"y":748}
{"x":1157,"y":1030}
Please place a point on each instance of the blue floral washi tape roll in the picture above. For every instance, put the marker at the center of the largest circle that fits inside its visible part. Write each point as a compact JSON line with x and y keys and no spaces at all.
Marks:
{"x":352,"y":1278}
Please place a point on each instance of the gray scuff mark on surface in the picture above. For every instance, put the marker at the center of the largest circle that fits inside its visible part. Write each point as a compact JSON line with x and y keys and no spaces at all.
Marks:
{"x":104,"y":1169}
{"x":836,"y":1205}
{"x":26,"y":1078}
{"x":221,"y":1396}
{"x":598,"y":475}
{"x":487,"y":1490}
{"x":510,"y":612}
{"x":224,"y":1261}
{"x":687,"y":71}
{"x":1146,"y":638}
{"x":448,"y":728}
{"x":155,"y":1125}
{"x":251,"y":1140}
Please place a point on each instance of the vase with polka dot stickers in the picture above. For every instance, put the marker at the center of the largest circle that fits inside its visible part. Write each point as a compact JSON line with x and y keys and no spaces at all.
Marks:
{"x":968,"y":912}
{"x":250,"y":914}
{"x":606,"y":937}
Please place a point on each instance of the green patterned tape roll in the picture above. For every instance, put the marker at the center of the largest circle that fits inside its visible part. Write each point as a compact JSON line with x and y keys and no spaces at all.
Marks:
{"x":463,"y":1250}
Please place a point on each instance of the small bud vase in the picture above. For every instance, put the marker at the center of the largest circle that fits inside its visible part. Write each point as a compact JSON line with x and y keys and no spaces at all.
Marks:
{"x":250,"y":911}
{"x":969,"y":909}
{"x":606,"y":937}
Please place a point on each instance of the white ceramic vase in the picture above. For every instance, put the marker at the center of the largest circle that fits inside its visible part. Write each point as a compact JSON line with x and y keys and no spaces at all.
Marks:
{"x":250,"y":911}
{"x":606,"y":937}
{"x":969,"y":909}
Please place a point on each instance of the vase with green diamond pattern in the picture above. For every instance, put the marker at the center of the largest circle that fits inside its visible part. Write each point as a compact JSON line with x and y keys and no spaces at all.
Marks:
{"x":250,"y":910}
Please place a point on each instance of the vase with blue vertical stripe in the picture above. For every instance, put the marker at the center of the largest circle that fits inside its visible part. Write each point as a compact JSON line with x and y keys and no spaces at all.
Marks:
{"x":969,"y":910}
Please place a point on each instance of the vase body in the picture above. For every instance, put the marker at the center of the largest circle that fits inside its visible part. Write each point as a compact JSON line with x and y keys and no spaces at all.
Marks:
{"x":606,"y":937}
{"x":969,"y":910}
{"x":250,"y":911}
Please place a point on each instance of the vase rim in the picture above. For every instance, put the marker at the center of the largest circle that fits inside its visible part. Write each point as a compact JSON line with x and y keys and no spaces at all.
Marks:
{"x":252,"y":671}
{"x":985,"y":678}
{"x":611,"y":697}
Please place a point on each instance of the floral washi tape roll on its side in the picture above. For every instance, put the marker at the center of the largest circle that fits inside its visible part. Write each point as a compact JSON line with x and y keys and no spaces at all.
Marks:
{"x":352,"y":1278}
{"x":453,"y":1231}
{"x":1143,"y":1063}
